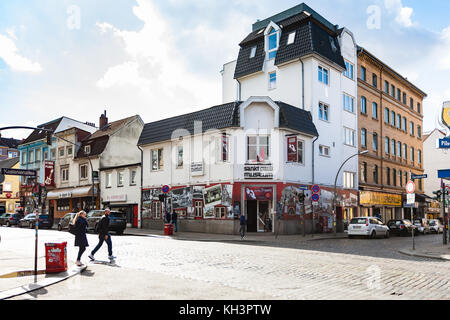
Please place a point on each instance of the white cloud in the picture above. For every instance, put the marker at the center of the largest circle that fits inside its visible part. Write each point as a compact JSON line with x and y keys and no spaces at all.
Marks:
{"x":402,"y":14}
{"x":9,"y":53}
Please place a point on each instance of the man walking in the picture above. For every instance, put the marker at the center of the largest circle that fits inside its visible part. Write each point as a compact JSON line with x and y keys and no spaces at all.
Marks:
{"x":175,"y":220}
{"x":243,"y":223}
{"x":103,"y":235}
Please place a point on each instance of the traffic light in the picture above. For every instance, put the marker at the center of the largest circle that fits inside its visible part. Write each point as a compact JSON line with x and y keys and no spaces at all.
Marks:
{"x":49,"y":138}
{"x":438,"y":194}
{"x":162,"y":196}
{"x":1,"y":188}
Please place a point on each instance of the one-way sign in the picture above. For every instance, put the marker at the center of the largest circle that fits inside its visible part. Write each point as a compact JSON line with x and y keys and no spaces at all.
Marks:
{"x":19,"y":172}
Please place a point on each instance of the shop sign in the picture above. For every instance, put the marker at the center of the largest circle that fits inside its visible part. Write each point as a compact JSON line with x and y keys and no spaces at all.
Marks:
{"x":259,"y":193}
{"x":197,"y":168}
{"x":258,"y":171}
{"x":65,"y":195}
{"x":292,"y":149}
{"x":378,"y":198}
{"x":49,"y":173}
{"x":116,"y":198}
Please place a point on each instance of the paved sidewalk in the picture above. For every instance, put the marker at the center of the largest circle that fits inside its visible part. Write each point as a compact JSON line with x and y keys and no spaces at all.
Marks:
{"x":441,"y":252}
{"x":249,"y":237}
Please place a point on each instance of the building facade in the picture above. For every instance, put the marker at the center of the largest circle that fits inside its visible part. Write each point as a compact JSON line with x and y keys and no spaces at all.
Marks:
{"x":390,"y":128}
{"x":10,"y":195}
{"x":8,"y":148}
{"x":299,"y":57}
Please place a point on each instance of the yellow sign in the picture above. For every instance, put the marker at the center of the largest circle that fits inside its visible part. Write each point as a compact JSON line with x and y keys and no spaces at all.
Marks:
{"x":446,"y":114}
{"x":378,"y":198}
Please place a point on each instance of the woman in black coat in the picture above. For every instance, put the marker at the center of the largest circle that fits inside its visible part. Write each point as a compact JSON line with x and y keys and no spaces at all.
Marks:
{"x":80,"y":236}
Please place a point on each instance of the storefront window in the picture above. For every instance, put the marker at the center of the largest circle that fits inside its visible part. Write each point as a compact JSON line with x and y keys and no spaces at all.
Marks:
{"x":198,"y":209}
{"x":258,"y":148}
{"x":220,"y":212}
{"x":156,"y":209}
{"x":63,"y":205}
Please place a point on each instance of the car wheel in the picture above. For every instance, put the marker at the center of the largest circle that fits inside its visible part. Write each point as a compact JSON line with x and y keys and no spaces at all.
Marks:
{"x":373,"y":235}
{"x":386,"y":235}
{"x":59,"y":227}
{"x":30,"y":226}
{"x":8,"y":224}
{"x":119,"y":232}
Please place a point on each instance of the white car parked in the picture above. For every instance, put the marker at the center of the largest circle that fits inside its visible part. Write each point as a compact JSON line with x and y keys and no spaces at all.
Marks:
{"x":436,"y":226}
{"x":367,"y":226}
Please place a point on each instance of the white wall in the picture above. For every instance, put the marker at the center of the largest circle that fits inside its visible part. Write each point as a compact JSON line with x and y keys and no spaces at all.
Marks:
{"x":229,"y":84}
{"x":434,"y":159}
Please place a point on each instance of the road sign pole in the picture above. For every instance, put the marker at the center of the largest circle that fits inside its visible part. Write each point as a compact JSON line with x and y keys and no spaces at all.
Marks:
{"x":412,"y":217}
{"x":444,"y":214}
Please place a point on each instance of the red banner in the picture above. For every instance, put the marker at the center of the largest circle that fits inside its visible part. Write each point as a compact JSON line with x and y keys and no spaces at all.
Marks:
{"x":259,"y":193}
{"x":49,"y":173}
{"x":292,"y":149}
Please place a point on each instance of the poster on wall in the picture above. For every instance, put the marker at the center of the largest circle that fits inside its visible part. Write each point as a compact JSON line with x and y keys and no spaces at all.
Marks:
{"x":292,"y":149}
{"x":198,"y":192}
{"x":181,"y":198}
{"x":49,"y":167}
{"x":212,"y":196}
{"x":259,"y":193}
{"x":208,"y":213}
{"x":227,"y":193}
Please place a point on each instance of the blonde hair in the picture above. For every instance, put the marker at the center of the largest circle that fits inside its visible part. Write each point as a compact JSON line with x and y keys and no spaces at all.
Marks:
{"x":77,"y":215}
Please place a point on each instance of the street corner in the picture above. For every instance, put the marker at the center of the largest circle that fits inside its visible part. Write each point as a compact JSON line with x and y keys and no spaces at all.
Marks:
{"x":426,"y":254}
{"x":40,"y":283}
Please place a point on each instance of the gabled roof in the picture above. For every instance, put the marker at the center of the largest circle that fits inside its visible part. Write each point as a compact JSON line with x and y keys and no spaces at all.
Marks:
{"x":311,"y":36}
{"x":111,"y":127}
{"x":221,"y":117}
{"x":39,"y":134}
{"x":9,"y":163}
{"x":10,"y":143}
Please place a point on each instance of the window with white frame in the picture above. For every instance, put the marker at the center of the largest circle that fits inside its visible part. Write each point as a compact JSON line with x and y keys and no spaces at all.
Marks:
{"x":272,"y":80}
{"x":157,"y":159}
{"x":24,"y":157}
{"x":349,"y":103}
{"x":258,"y":148}
{"x":323,"y":75}
{"x":133,"y":174}
{"x":61,"y":152}
{"x":291,"y":38}
{"x":120,"y":178}
{"x":46,"y":155}
{"x":349,"y":70}
{"x":323,"y":111}
{"x":349,"y":136}
{"x":156,"y":209}
{"x":220,"y":212}
{"x":31,"y":156}
{"x":38,"y":155}
{"x":64,"y":174}
{"x":53,"y":154}
{"x":83,"y":171}
{"x":224,"y":148}
{"x":179,"y":157}
{"x":349,"y":180}
{"x":108,"y":179}
{"x":87,"y":149}
{"x":299,"y":152}
{"x":252,"y":52}
{"x":273,"y":43}
{"x":324,"y":151}
{"x":198,"y":205}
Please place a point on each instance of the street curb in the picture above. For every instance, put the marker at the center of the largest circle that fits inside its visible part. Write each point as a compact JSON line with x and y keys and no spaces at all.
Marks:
{"x":7,"y":294}
{"x":330,"y":238}
{"x":422,"y":255}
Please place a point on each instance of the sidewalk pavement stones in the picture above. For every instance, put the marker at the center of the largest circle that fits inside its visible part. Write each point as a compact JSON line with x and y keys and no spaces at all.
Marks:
{"x":440,"y":253}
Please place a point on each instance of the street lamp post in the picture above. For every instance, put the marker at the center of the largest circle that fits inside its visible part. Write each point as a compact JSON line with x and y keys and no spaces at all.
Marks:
{"x":335,"y":189}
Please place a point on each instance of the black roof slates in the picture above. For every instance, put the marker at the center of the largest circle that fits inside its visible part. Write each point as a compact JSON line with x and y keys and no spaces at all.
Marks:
{"x":221,"y":117}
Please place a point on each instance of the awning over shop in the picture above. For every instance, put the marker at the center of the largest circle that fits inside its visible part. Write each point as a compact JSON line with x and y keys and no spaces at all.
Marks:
{"x":69,"y":193}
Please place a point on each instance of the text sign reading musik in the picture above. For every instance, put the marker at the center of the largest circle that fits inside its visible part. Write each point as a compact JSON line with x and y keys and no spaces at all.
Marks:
{"x":258,"y":171}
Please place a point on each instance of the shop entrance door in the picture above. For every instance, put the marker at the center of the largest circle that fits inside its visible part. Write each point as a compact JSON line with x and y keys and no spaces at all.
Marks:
{"x":252,"y":213}
{"x":263,"y":215}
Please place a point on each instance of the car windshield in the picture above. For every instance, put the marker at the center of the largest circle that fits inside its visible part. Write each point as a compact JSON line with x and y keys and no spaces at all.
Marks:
{"x":417,"y":221}
{"x":30,"y":216}
{"x":358,"y":221}
{"x":432,"y":223}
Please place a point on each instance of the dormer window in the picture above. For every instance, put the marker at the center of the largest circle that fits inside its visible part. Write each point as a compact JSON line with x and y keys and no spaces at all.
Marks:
{"x":273,"y":43}
{"x":87,"y":149}
{"x":291,"y":38}
{"x":253,"y":52}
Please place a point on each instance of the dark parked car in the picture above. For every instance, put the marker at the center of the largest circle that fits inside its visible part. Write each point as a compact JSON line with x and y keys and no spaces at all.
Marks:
{"x":402,"y":227}
{"x":12,"y":220}
{"x":117,"y":220}
{"x":30,"y":221}
{"x":65,"y":221}
{"x":4,"y":217}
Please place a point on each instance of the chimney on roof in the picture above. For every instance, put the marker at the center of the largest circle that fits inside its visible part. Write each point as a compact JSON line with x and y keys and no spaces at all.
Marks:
{"x":103,"y":120}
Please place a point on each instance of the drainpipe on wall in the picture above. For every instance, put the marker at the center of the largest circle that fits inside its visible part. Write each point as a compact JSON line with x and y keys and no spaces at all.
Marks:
{"x":303,"y":84}
{"x":313,"y":151}
{"x":140,"y":192}
{"x":239,"y":91}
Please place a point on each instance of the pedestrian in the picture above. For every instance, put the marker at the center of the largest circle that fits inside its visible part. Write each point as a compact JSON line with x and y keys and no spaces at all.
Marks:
{"x":81,"y":242}
{"x":167,"y":217}
{"x":175,"y":220}
{"x":243,"y":223}
{"x":103,"y":235}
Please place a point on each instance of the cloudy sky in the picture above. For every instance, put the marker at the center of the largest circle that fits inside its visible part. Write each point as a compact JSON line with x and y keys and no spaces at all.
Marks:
{"x":160,"y":58}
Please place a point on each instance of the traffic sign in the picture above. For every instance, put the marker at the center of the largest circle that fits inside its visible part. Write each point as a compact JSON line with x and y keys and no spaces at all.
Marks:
{"x":315,"y":188}
{"x":165,"y":189}
{"x":410,"y":187}
{"x":444,"y":143}
{"x":315,"y":197}
{"x":410,"y":198}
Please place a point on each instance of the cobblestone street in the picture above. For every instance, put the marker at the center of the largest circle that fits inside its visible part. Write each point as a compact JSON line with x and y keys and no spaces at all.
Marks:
{"x":175,"y":269}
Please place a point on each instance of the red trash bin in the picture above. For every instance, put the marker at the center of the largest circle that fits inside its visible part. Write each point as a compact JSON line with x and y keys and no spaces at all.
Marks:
{"x":168,"y":229}
{"x":55,"y":257}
